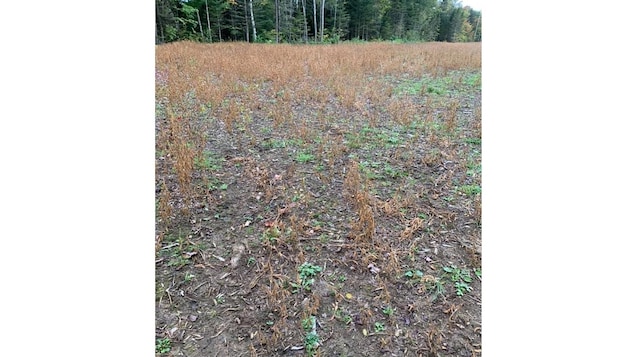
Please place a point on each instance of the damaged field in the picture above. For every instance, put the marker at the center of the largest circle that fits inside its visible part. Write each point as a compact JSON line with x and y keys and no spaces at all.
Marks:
{"x":318,"y":200}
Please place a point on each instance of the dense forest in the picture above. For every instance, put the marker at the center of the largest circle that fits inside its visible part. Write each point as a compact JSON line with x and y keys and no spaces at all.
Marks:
{"x":322,"y":21}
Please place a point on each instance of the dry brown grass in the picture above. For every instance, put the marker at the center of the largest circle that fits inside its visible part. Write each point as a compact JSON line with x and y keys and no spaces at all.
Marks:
{"x":215,"y":72}
{"x":164,"y":207}
{"x":414,"y":225}
{"x":380,"y":189}
{"x":363,"y":228}
{"x":451,"y":116}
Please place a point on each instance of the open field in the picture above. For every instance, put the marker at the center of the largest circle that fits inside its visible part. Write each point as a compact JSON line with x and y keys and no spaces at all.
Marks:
{"x":318,"y":200}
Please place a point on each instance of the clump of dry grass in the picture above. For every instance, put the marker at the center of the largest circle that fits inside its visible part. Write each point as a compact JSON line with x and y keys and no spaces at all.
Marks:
{"x":476,"y":123}
{"x":363,"y":228}
{"x":182,"y":151}
{"x":181,"y":143}
{"x":413,"y":226}
{"x":451,"y":116}
{"x":403,"y":110}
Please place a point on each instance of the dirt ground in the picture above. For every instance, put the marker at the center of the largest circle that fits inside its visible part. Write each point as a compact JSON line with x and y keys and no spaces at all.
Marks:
{"x":325,"y":227}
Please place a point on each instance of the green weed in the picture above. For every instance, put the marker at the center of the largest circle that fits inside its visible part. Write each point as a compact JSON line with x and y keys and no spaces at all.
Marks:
{"x":274,"y":144}
{"x":347,"y":319}
{"x":413,"y":274}
{"x":164,"y":345}
{"x":472,"y":169}
{"x":178,"y":251}
{"x":393,"y":140}
{"x":474,"y":141}
{"x":388,"y":310}
{"x":311,"y":339}
{"x":369,"y":169}
{"x":266,"y":130}
{"x":208,"y":161}
{"x":477,"y":272}
{"x":392,"y":172}
{"x":426,"y":85}
{"x":308,"y":323}
{"x":311,"y":343}
{"x":470,"y":190}
{"x":215,"y":184}
{"x":409,"y":87}
{"x":304,"y":157}
{"x":461,"y":279}
{"x":219,"y":299}
{"x":354,"y":141}
{"x":389,"y":139}
{"x":437,"y":286}
{"x":435,"y":89}
{"x":462,"y":288}
{"x":271,"y":234}
{"x":178,"y":262}
{"x":472,"y":79}
{"x":308,"y":272}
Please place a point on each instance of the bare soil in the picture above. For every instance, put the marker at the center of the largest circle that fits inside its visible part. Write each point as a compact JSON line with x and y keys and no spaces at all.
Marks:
{"x":338,"y":230}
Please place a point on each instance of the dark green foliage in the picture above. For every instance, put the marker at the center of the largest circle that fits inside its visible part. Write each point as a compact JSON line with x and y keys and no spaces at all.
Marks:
{"x":366,"y":20}
{"x":411,"y":20}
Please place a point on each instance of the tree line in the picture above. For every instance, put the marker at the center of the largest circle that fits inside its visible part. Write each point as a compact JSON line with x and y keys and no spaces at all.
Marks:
{"x":321,"y":21}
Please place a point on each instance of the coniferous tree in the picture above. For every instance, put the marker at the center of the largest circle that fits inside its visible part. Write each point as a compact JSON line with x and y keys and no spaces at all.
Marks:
{"x":330,"y":20}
